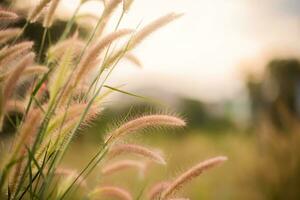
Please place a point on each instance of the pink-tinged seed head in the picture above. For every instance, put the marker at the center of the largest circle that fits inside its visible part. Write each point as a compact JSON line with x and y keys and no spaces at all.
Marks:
{"x":145,"y":122}
{"x":91,"y":56}
{"x":190,"y":174}
{"x":136,"y":150}
{"x":37,"y":10}
{"x":152,"y":27}
{"x":7,"y":16}
{"x":8,"y":34}
{"x":156,"y":190}
{"x":112,"y":192}
{"x":122,"y":165}
{"x":48,"y":21}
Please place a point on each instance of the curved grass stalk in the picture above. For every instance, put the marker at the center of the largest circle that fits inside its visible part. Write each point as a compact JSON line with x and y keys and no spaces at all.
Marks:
{"x":70,"y":23}
{"x":59,"y":155}
{"x":190,"y":174}
{"x":111,"y":191}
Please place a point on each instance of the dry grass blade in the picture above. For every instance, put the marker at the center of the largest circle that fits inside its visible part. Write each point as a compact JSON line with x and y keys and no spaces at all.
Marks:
{"x":191,"y":174}
{"x":112,"y":192}
{"x":140,"y":36}
{"x":145,"y":122}
{"x":72,"y":113}
{"x":62,"y":70}
{"x":29,"y":71}
{"x":25,"y":138}
{"x":15,"y":106}
{"x":35,"y":70}
{"x":9,"y":34}
{"x":34,"y":14}
{"x":14,"y":76}
{"x":7,"y":16}
{"x":64,"y":172}
{"x":56,"y":51}
{"x":127,"y":4}
{"x":122,"y":165}
{"x":90,"y":58}
{"x":48,"y":21}
{"x":109,"y":9}
{"x":155,"y":191}
{"x":137,"y":150}
{"x":146,"y":31}
{"x":12,"y":53}
{"x":132,"y":58}
{"x":59,"y":130}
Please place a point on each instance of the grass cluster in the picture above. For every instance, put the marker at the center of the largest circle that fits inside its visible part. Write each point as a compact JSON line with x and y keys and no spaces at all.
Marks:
{"x":55,"y":95}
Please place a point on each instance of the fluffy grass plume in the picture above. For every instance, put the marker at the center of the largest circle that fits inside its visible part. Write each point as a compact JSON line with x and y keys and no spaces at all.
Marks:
{"x":190,"y":174}
{"x":56,"y":51}
{"x":156,"y":190}
{"x":133,"y":59}
{"x":9,"y":34}
{"x":15,"y":106}
{"x":14,"y":76}
{"x":140,"y":36}
{"x":37,"y":10}
{"x":111,"y":192}
{"x":72,"y":174}
{"x":110,"y":7}
{"x":50,"y":99}
{"x":122,"y":165}
{"x":7,"y":16}
{"x":12,"y":53}
{"x":35,"y":69}
{"x":48,"y":20}
{"x":136,"y":150}
{"x":152,"y":27}
{"x":24,"y":140}
{"x":29,"y":71}
{"x":127,"y":4}
{"x":145,"y":122}
{"x":90,"y":58}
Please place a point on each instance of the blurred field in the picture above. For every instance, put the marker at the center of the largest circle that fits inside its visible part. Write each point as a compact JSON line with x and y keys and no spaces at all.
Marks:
{"x":242,"y":102}
{"x":230,"y":181}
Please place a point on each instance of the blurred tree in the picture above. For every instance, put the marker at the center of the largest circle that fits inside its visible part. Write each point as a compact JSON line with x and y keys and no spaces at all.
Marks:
{"x":277,"y":96}
{"x":211,"y":117}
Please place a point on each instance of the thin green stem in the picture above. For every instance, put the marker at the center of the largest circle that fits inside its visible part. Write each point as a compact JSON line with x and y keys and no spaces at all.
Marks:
{"x":22,"y":31}
{"x":70,"y":23}
{"x":42,"y":44}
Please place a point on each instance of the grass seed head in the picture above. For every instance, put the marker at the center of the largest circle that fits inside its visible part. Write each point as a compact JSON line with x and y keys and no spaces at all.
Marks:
{"x":143,"y":122}
{"x":110,"y":7}
{"x":122,"y":165}
{"x":49,"y":18}
{"x":137,"y":150}
{"x":9,"y":34}
{"x":8,"y":16}
{"x":12,"y":79}
{"x":12,"y":53}
{"x":112,"y":192}
{"x":156,"y":190}
{"x":133,"y":59}
{"x":190,"y":174}
{"x":90,"y":58}
{"x":37,"y":10}
{"x":152,"y":27}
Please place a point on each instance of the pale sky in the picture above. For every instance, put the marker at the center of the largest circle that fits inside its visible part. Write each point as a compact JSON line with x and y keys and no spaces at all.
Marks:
{"x":203,"y":54}
{"x":200,"y":55}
